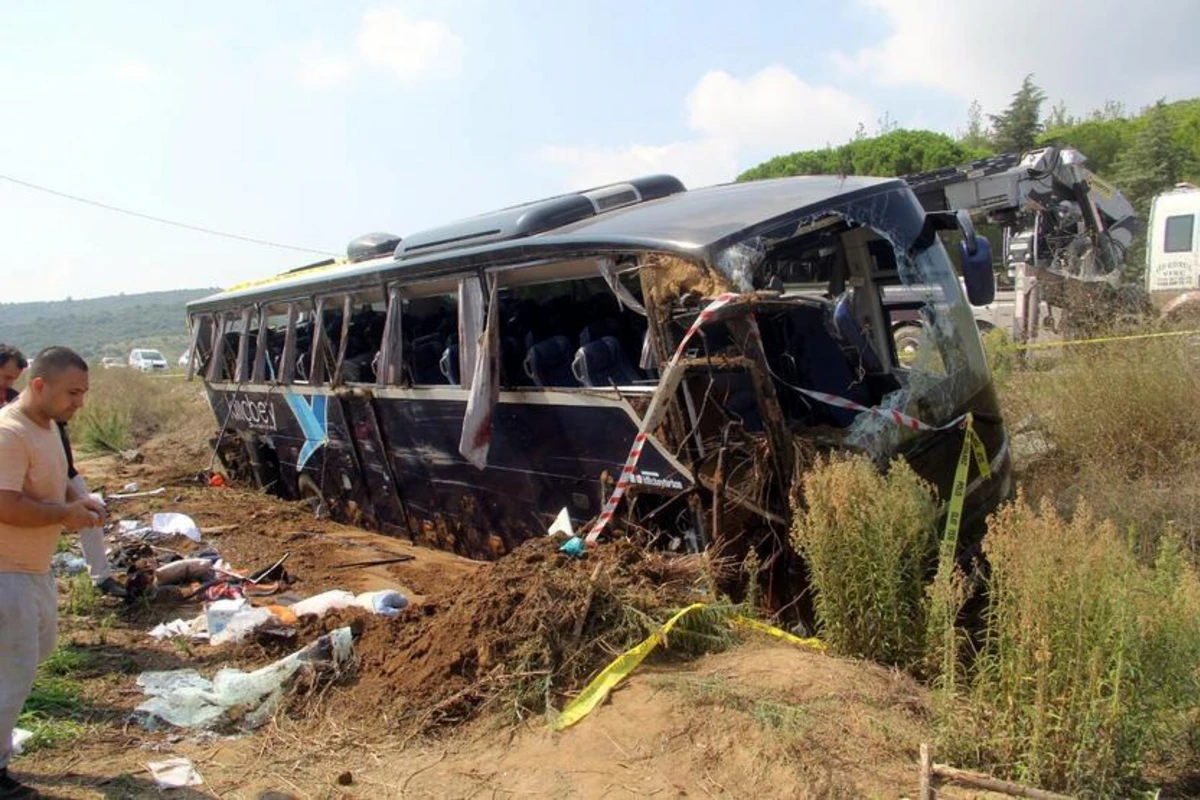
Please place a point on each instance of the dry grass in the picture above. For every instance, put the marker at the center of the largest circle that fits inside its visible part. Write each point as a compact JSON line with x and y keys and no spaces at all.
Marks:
{"x":1128,"y":407}
{"x":125,"y":407}
{"x":1122,"y":430}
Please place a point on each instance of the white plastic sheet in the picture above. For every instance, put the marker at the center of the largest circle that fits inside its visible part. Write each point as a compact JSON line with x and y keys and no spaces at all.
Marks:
{"x":174,"y":773}
{"x":20,"y":737}
{"x":185,"y":699}
{"x":386,"y":602}
{"x":191,"y":628}
{"x":171,"y":523}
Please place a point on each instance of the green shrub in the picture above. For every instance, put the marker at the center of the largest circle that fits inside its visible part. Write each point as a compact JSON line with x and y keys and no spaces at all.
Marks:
{"x":1089,"y":663}
{"x":1001,"y":354}
{"x":82,"y":596}
{"x":868,"y":539}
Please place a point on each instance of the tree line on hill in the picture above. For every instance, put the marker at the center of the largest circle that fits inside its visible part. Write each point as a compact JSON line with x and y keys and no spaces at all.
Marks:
{"x":103,"y":326}
{"x":1143,"y":153}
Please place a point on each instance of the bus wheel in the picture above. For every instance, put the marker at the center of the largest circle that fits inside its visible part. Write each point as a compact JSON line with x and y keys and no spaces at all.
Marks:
{"x":310,"y":494}
{"x":908,"y":342}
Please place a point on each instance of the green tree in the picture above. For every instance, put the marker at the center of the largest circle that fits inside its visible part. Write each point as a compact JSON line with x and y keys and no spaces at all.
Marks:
{"x":1018,"y":127}
{"x":1058,"y":116}
{"x":1152,"y":162}
{"x":975,"y":137}
{"x":897,"y":153}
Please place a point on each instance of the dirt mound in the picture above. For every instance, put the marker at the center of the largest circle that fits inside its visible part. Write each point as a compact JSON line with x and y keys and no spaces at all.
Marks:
{"x":533,"y":625}
{"x":760,"y":720}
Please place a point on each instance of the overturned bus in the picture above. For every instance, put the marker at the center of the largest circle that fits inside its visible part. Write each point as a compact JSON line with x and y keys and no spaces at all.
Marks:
{"x":656,"y":361}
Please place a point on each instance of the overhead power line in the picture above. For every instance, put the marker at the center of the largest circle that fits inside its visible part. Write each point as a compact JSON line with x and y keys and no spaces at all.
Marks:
{"x":152,"y":218}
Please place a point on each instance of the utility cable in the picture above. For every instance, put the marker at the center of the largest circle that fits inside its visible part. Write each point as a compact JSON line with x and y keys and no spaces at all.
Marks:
{"x":161,"y":220}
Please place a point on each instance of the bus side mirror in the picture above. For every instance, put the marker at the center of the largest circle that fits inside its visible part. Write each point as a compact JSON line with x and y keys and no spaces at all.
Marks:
{"x":975,"y":261}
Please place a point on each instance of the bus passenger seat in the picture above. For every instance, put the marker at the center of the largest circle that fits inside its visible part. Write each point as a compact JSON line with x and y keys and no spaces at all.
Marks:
{"x":548,"y":363}
{"x":426,"y":352}
{"x":602,"y":363}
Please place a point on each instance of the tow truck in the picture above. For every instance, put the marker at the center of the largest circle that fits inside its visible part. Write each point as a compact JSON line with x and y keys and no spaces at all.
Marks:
{"x":1066,"y":233}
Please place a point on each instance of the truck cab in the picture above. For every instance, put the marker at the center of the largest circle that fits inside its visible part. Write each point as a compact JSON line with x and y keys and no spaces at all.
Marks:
{"x":1173,"y":250}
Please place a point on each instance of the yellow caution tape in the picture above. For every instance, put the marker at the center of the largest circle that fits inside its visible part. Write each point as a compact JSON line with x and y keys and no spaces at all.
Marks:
{"x":1103,"y":340}
{"x":762,"y":627}
{"x":972,"y":446}
{"x":594,"y":693}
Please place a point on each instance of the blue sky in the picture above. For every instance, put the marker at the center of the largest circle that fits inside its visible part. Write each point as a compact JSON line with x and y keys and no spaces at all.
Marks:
{"x":308,"y":123}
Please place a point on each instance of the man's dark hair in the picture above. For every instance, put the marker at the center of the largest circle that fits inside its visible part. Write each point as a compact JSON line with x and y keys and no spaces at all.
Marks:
{"x":53,"y":361}
{"x":9,"y":353}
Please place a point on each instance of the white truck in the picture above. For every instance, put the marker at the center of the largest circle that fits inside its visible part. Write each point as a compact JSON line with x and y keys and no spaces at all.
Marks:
{"x":1173,"y":252}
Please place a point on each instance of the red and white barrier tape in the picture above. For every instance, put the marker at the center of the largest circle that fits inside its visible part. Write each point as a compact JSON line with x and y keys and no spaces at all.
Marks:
{"x":653,"y":415}
{"x":903,"y":420}
{"x":670,"y":380}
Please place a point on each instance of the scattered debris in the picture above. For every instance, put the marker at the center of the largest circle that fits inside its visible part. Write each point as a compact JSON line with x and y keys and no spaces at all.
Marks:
{"x":377,"y":563}
{"x":131,"y":495}
{"x":218,"y":613}
{"x":66,"y":565}
{"x":185,"y":699}
{"x":192,"y":629}
{"x":131,"y":457}
{"x":562,"y":524}
{"x":175,"y":773}
{"x":19,"y":737}
{"x":170,"y":523}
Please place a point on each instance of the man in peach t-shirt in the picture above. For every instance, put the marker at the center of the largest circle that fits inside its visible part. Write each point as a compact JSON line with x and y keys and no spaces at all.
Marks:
{"x":36,"y":504}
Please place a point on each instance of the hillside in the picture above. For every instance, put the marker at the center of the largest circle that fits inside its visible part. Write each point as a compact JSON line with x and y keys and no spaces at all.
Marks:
{"x":103,"y":326}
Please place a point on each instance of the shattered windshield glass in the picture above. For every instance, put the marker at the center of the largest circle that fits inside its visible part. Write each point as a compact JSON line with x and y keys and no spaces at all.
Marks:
{"x":948,"y":366}
{"x":943,"y":366}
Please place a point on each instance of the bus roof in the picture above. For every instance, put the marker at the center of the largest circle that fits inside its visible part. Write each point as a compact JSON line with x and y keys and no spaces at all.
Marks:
{"x":695,"y":224}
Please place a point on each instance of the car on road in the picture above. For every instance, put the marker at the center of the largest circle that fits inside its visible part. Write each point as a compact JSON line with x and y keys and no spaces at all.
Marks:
{"x":147,"y":360}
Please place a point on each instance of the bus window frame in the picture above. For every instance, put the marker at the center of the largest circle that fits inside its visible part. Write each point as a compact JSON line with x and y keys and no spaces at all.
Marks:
{"x":390,"y":371}
{"x":241,"y":365}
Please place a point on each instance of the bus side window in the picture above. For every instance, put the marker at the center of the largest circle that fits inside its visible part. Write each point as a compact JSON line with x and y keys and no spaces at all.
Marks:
{"x":430,"y":335}
{"x":364,"y":341}
{"x":569,"y":333}
{"x":269,"y":343}
{"x":222,"y":366}
{"x":301,"y":362}
{"x":204,"y":338}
